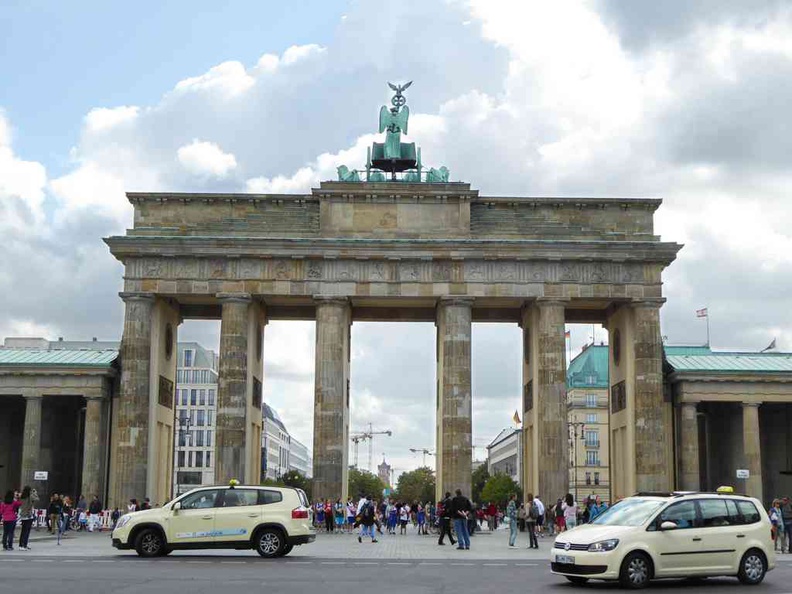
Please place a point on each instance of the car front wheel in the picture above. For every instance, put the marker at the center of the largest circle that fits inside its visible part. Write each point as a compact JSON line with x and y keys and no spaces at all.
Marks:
{"x":270,"y":543}
{"x":753,"y":568}
{"x":149,"y":543}
{"x":636,"y":571}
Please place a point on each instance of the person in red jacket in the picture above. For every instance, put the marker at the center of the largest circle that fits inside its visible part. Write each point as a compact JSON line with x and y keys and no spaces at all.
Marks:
{"x":8,"y":513}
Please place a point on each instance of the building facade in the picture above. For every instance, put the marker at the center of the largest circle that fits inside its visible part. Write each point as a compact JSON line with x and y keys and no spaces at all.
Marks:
{"x":384,"y":473}
{"x":588,"y":423}
{"x":504,"y":454}
{"x":196,"y":413}
{"x":300,"y":458}
{"x":275,"y":443}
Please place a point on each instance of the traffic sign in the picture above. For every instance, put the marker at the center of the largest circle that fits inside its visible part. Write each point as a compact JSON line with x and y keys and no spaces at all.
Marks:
{"x":40,"y":475}
{"x":743,"y":473}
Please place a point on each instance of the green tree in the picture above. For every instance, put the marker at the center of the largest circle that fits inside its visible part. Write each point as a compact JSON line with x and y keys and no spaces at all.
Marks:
{"x":362,"y":482}
{"x":499,"y":488}
{"x":480,"y":476}
{"x":294,"y":478}
{"x":416,"y":485}
{"x":268,"y":482}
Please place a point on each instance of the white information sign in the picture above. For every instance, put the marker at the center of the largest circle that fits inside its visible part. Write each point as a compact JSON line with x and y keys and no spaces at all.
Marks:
{"x":743,"y":473}
{"x":40,"y":475}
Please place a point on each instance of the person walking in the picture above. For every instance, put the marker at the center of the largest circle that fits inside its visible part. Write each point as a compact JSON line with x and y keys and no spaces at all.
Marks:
{"x":570,"y":511}
{"x":531,"y":521}
{"x":366,"y":513}
{"x":540,"y":519}
{"x":26,"y":515}
{"x":8,"y":513}
{"x":54,"y":512}
{"x":329,"y":516}
{"x":446,"y":515}
{"x":511,"y":516}
{"x":786,"y":518}
{"x":462,"y":509}
{"x":95,"y":510}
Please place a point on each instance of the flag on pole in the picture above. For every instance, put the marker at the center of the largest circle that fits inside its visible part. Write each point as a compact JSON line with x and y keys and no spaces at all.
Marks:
{"x":770,"y":347}
{"x":516,"y":418}
{"x":702,"y":313}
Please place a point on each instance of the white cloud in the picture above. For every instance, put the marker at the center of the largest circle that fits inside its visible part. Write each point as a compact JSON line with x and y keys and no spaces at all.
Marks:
{"x":300,"y":52}
{"x":228,"y":80}
{"x":206,"y":158}
{"x":102,"y":119}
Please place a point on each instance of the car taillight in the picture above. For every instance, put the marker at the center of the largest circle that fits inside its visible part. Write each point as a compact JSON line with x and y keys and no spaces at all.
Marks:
{"x":299,"y":513}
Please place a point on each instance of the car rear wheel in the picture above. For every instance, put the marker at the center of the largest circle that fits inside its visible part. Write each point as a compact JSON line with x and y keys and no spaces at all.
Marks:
{"x":149,"y":543}
{"x":636,"y":571}
{"x":577,"y":580}
{"x":270,"y":543}
{"x":753,"y":568}
{"x":286,"y":550}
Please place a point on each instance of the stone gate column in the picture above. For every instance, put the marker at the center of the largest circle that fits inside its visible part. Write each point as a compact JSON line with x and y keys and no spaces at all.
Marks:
{"x":31,"y":441}
{"x":92,"y":448}
{"x":689,"y":447}
{"x":232,"y":374}
{"x":454,"y":407}
{"x":132,"y":407}
{"x":551,"y":437}
{"x":752,"y":445}
{"x":331,"y":399}
{"x":653,"y":433}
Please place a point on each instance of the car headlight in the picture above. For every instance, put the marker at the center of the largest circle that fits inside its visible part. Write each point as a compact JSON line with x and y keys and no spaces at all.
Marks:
{"x":603,"y":545}
{"x":123,"y":521}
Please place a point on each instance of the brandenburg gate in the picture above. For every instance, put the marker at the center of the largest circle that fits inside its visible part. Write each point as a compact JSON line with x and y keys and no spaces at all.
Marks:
{"x":391,"y":242}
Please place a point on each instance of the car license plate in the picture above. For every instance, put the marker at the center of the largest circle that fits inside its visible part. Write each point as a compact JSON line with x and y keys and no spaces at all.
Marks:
{"x":565,"y":559}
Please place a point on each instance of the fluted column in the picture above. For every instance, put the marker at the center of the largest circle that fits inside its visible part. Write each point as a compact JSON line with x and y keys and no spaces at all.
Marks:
{"x":92,"y":448}
{"x":551,"y":409}
{"x":132,"y":407}
{"x":232,"y":388}
{"x":454,"y":405}
{"x":689,"y":447}
{"x":331,"y":399}
{"x":31,"y":441}
{"x":652,"y":417}
{"x":752,"y":446}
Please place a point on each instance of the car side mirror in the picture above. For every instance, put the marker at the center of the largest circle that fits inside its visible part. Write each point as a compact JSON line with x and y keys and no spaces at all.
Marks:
{"x":667,"y":525}
{"x":176,"y":506}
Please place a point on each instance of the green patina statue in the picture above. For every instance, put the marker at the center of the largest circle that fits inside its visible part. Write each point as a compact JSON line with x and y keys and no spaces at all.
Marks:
{"x":394,"y":156}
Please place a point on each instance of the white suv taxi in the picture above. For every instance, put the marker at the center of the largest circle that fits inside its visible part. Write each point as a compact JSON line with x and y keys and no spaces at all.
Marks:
{"x":672,"y":535}
{"x":271,"y":520}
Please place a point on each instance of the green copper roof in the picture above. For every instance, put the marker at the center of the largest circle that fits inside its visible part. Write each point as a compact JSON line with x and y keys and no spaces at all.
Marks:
{"x":694,"y":359}
{"x":589,"y":369}
{"x":46,"y":358}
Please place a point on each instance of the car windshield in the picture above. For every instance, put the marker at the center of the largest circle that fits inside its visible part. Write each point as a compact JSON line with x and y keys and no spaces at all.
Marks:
{"x":629,"y":512}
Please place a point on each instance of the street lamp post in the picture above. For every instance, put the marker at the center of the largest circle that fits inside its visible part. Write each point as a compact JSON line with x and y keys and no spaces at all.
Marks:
{"x":573,"y":434}
{"x":185,"y":425}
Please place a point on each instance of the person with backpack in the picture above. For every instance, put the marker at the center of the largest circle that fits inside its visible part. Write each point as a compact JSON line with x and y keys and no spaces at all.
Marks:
{"x":531,"y":520}
{"x":366,"y":513}
{"x":446,"y":515}
{"x":540,"y":519}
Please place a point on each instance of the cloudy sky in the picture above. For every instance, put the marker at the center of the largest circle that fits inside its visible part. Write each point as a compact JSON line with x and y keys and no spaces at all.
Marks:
{"x":687,"y":101}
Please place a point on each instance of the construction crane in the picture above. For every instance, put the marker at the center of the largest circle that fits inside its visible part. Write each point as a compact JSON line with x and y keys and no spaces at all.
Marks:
{"x":423,"y":451}
{"x":356,"y":438}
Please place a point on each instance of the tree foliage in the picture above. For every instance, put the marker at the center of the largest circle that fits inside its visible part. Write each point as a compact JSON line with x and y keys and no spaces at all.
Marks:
{"x":480,"y":476}
{"x":416,"y":485}
{"x":499,"y":488}
{"x":362,"y":482}
{"x":294,"y":478}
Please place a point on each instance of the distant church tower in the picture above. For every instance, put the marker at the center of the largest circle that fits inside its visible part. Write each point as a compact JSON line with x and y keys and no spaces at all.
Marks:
{"x":384,"y":473}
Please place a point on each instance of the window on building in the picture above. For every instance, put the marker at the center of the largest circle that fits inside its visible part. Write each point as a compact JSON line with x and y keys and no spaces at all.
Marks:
{"x":179,"y":376}
{"x":596,"y":478}
{"x":588,"y":478}
{"x":189,"y":458}
{"x":208,"y":438}
{"x":180,"y":459}
{"x":592,"y":439}
{"x":205,"y":376}
{"x":199,"y":438}
{"x":201,"y":417}
{"x":202,"y":397}
{"x":182,"y":439}
{"x":209,"y":418}
{"x":211,"y":396}
{"x":592,"y":458}
{"x":199,"y":459}
{"x":591,"y":418}
{"x":192,"y":417}
{"x":208,"y":456}
{"x":189,"y":355}
{"x":591,"y":400}
{"x":194,"y":397}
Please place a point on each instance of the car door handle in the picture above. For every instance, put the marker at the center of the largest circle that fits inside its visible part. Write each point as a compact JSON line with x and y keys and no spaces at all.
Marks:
{"x":697,"y":539}
{"x":206,"y":517}
{"x":253,"y":515}
{"x":741,"y":536}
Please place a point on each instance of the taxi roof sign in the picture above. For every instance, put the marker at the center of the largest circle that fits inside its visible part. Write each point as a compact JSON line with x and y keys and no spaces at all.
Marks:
{"x":724,"y":489}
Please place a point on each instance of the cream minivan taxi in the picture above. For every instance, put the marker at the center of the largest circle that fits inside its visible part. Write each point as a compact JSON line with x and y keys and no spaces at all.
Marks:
{"x":678,"y":535}
{"x":271,"y":520}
